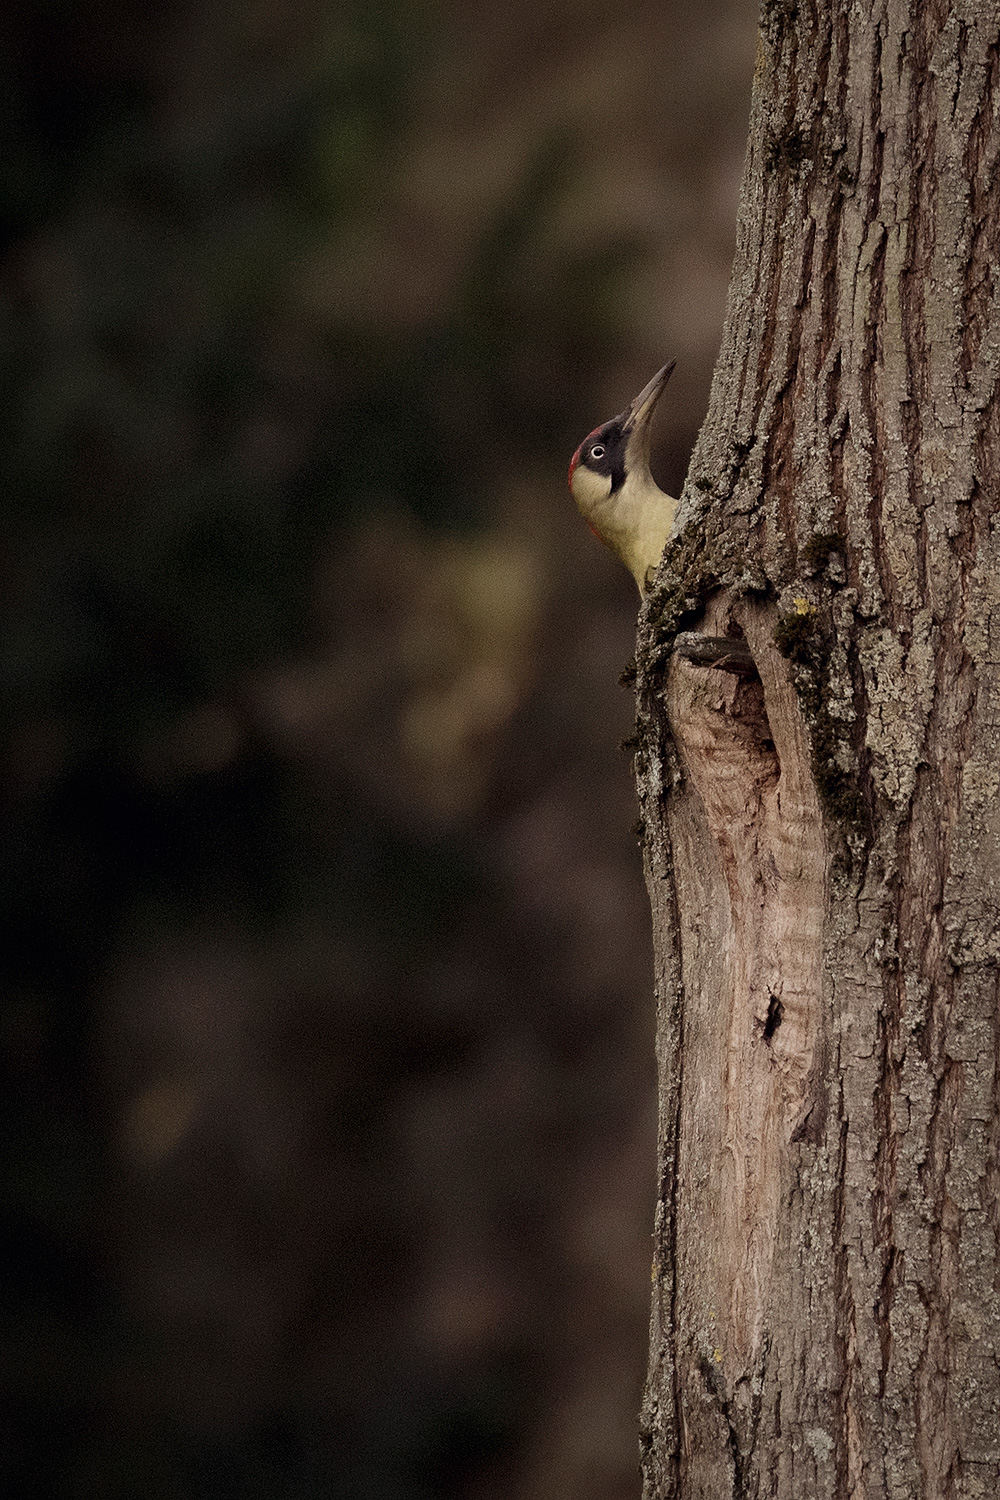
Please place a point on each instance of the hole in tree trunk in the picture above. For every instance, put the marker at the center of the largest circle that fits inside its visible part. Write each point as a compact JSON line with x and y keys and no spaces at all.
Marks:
{"x":775,"y":1011}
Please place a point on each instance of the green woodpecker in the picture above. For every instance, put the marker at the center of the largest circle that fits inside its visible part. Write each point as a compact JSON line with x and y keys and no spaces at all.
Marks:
{"x":617,"y":495}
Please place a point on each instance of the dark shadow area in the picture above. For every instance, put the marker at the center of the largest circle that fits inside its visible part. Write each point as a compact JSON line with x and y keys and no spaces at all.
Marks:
{"x":326,"y":1041}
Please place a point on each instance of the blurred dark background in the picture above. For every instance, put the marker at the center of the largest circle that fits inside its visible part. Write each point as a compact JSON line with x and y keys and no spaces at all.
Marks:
{"x":328,"y":1094}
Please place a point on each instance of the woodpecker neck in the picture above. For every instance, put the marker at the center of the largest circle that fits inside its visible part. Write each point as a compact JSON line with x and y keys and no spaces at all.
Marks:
{"x":634,"y":520}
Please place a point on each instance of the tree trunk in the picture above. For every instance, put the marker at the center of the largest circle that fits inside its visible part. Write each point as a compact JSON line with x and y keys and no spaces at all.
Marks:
{"x":823,"y":833}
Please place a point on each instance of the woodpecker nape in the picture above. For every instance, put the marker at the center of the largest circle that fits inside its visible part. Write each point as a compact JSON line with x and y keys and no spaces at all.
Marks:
{"x":616,"y":494}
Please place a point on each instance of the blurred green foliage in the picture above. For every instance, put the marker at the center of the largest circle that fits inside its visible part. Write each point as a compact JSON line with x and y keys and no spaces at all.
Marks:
{"x":181,"y":438}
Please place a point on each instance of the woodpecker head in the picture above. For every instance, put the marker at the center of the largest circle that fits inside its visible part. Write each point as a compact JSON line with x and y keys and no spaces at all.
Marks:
{"x":610,"y":481}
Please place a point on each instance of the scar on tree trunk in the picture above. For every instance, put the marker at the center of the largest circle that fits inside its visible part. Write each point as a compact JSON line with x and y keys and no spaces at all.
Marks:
{"x":749,"y":846}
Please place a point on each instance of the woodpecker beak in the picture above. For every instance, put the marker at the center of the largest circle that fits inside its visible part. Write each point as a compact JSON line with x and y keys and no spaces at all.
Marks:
{"x":637,"y":420}
{"x":642,"y":407}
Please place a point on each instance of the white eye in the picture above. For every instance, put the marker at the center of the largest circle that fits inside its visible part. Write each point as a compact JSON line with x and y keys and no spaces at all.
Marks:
{"x":597,"y":451}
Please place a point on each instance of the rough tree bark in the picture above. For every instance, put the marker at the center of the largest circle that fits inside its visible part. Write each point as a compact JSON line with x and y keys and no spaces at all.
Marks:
{"x":822,"y":833}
